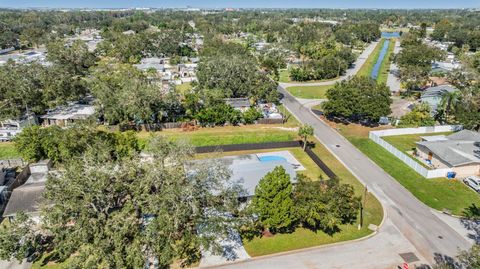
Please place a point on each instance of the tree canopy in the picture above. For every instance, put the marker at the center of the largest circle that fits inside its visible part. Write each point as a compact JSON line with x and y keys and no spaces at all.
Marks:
{"x":359,"y":98}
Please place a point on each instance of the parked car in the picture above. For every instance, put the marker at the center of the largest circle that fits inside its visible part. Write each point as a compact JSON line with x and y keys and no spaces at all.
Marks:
{"x":473,"y":182}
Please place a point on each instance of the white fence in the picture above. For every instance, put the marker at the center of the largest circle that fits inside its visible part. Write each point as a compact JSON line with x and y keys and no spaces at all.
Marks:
{"x":376,"y":136}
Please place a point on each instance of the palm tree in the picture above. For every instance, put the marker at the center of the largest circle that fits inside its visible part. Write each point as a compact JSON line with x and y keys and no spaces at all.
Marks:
{"x":449,"y":101}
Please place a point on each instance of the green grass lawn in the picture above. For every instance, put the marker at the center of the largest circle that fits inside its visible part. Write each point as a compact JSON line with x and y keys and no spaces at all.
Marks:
{"x":284,"y":76}
{"x":309,"y":92}
{"x":367,"y":67}
{"x":8,"y":151}
{"x":438,"y":193}
{"x":385,"y":66}
{"x":183,"y":88}
{"x":304,"y":238}
{"x":229,"y":135}
{"x":255,"y":133}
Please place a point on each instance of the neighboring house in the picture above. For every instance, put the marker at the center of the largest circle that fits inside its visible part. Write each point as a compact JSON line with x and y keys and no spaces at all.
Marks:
{"x":242,"y":104}
{"x":28,"y":197}
{"x":459,"y":151}
{"x":10,"y":128}
{"x":248,"y":170}
{"x":151,"y":63}
{"x":433,"y":96}
{"x":65,"y":115}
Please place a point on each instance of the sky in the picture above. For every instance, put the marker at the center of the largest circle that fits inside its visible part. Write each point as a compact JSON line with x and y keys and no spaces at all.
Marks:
{"x":410,"y":4}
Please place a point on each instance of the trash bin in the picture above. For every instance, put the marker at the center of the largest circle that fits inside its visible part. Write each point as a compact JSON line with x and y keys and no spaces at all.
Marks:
{"x":451,"y":175}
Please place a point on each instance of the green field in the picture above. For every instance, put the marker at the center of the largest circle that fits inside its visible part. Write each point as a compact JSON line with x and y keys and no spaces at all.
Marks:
{"x":304,"y":238}
{"x":367,"y":67}
{"x":438,"y":193}
{"x":309,"y":92}
{"x":385,"y":67}
{"x":183,"y":88}
{"x":8,"y":151}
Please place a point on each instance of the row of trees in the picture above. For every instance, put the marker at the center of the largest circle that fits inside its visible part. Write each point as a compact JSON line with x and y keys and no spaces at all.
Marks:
{"x":318,"y":205}
{"x":61,"y":145}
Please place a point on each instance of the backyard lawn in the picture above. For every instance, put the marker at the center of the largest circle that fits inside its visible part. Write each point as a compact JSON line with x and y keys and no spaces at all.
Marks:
{"x":438,"y":193}
{"x":304,"y":238}
{"x":309,"y":92}
{"x":8,"y":151}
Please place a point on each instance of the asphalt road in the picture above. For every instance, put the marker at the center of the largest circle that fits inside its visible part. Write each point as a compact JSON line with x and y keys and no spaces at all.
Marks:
{"x":430,"y":235}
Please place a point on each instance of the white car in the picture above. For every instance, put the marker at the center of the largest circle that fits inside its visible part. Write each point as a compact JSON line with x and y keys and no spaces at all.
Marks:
{"x":473,"y":182}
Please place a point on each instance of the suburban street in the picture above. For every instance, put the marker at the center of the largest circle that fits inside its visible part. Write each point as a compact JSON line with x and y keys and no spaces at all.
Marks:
{"x":430,"y":235}
{"x":409,"y":225}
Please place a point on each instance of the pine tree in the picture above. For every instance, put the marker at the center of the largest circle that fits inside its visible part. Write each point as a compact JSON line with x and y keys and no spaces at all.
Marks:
{"x":273,"y":202}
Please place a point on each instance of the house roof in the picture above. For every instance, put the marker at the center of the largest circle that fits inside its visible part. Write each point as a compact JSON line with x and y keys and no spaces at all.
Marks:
{"x":26,"y":198}
{"x":238,"y":102}
{"x":248,"y":170}
{"x":73,"y":111}
{"x":438,"y":91}
{"x":461,"y":148}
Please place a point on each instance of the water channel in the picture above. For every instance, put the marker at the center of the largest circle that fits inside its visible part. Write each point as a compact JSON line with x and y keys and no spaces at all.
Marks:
{"x":383,"y":52}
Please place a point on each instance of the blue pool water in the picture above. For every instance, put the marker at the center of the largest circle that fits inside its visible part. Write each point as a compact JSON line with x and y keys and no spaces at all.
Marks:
{"x":271,"y":158}
{"x":383,"y":52}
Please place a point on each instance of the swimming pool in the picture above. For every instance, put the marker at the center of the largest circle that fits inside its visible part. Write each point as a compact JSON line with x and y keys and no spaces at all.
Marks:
{"x":270,"y":158}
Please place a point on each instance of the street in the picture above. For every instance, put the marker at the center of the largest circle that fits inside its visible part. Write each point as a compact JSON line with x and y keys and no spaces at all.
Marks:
{"x":430,"y":235}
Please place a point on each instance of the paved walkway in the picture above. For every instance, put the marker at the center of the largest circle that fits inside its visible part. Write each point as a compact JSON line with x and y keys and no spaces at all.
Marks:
{"x":349,"y":73}
{"x":392,"y":79}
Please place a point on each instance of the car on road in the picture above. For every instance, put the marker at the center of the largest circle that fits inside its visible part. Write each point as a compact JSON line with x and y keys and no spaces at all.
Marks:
{"x":473,"y":182}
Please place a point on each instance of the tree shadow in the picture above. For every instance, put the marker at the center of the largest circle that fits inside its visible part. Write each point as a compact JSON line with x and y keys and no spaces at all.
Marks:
{"x":471,"y":222}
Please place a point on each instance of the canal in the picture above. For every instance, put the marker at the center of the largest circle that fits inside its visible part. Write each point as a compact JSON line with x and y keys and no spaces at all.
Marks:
{"x":383,"y":52}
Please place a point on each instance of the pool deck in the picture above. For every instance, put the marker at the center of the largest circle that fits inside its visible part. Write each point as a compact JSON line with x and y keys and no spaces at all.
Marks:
{"x":297,"y":166}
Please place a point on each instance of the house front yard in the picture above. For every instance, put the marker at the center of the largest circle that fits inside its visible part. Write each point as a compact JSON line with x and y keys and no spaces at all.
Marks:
{"x":438,"y":193}
{"x":304,"y":238}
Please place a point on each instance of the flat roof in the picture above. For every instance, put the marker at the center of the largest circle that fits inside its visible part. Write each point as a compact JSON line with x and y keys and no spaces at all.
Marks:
{"x":247,"y":170}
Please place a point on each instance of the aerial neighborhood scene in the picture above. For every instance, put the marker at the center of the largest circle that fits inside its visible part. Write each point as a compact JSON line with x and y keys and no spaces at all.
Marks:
{"x":239,"y":134}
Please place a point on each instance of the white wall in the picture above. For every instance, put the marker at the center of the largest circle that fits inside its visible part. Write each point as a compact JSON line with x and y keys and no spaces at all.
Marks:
{"x":427,"y":173}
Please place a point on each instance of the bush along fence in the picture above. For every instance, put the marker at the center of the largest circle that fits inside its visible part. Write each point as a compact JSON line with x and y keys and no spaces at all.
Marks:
{"x":270,"y":145}
{"x":376,"y":136}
